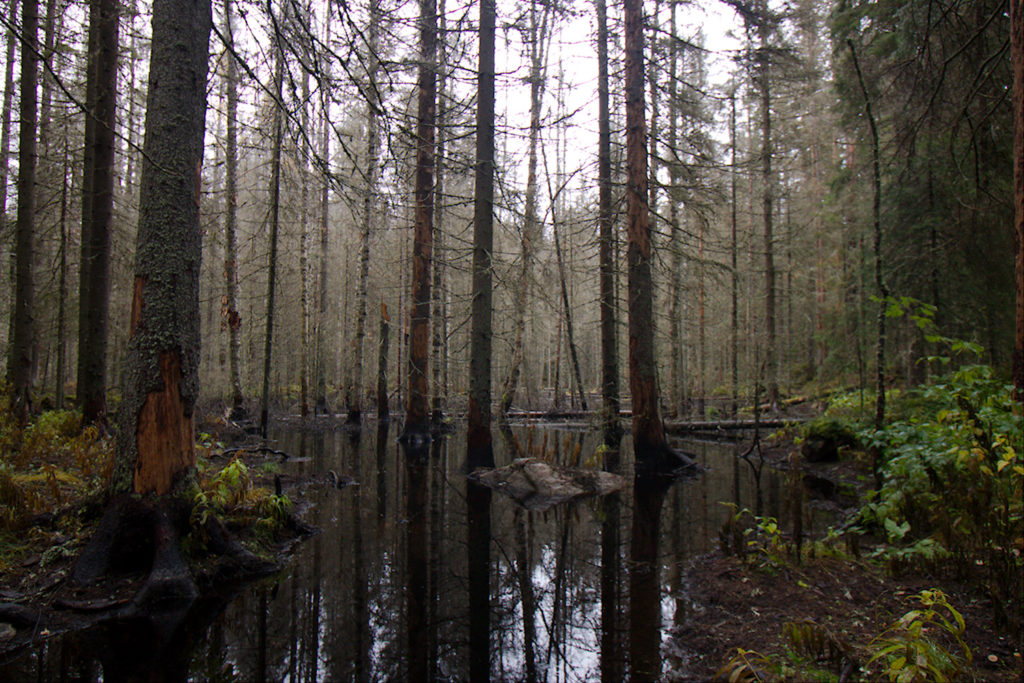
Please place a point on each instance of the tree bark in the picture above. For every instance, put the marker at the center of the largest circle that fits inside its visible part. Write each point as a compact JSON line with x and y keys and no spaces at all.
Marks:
{"x":5,"y":123}
{"x":767,"y":188}
{"x":566,"y":308}
{"x":275,"y":213}
{"x":325,"y":206}
{"x":733,"y":254}
{"x":876,"y":217}
{"x":1017,"y":60}
{"x":232,"y":320}
{"x":304,"y":180}
{"x":606,"y":229}
{"x":479,"y":445}
{"x":416,"y":417}
{"x":155,"y":444}
{"x":538,"y":69}
{"x":63,"y":276}
{"x":383,"y":411}
{"x":437,"y":319}
{"x":98,"y":209}
{"x":676,"y":377}
{"x":355,"y":399}
{"x":19,"y":359}
{"x":649,"y":442}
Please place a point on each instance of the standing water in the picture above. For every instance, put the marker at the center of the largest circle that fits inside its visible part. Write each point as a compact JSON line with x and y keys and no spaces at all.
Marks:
{"x":422,"y":574}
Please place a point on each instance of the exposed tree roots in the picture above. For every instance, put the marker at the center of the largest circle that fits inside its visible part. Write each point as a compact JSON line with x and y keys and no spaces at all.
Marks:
{"x":145,"y":536}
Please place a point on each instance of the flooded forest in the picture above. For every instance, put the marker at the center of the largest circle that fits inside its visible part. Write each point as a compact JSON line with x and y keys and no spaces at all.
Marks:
{"x":547,"y":340}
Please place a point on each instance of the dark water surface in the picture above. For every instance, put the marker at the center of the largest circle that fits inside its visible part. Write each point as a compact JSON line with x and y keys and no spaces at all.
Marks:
{"x":421,"y":574}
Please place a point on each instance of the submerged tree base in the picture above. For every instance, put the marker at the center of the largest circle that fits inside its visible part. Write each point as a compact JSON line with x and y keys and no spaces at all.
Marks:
{"x":664,"y":461}
{"x":146,"y":535}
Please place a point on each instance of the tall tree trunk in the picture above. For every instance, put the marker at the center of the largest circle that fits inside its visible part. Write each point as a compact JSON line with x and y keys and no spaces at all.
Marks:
{"x":701,"y":332}
{"x":439,"y":382}
{"x":304,"y":180}
{"x":733,"y":254}
{"x":876,"y":217}
{"x":676,"y":377}
{"x":416,"y":417}
{"x":538,"y":72}
{"x":98,"y":208}
{"x":19,"y":359}
{"x":63,"y":285}
{"x":767,"y":188}
{"x":355,"y":398}
{"x":5,"y":135}
{"x":606,"y":231}
{"x":553,"y":198}
{"x":156,"y":442}
{"x":649,"y":442}
{"x":383,"y":411}
{"x":654,"y":133}
{"x":325,"y":207}
{"x":275,"y":213}
{"x":232,"y":320}
{"x":1017,"y":59}
{"x":479,"y":427}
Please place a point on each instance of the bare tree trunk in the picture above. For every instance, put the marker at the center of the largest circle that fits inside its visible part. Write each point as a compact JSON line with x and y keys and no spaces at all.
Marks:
{"x":325,"y":207}
{"x":383,"y":411}
{"x":156,"y":441}
{"x":98,"y":207}
{"x":767,"y":182}
{"x":1017,"y":60}
{"x":480,"y":451}
{"x":876,"y":215}
{"x":232,"y":320}
{"x":655,"y":134}
{"x":417,"y":424}
{"x":566,"y":308}
{"x":275,"y":212}
{"x":19,"y":359}
{"x":676,"y":377}
{"x":439,"y":382}
{"x":538,"y":73}
{"x":355,"y":391}
{"x":63,"y":282}
{"x":735,"y":276}
{"x":556,"y":402}
{"x":5,"y":128}
{"x":701,"y":338}
{"x":649,"y":441}
{"x":609,"y":335}
{"x":304,"y":179}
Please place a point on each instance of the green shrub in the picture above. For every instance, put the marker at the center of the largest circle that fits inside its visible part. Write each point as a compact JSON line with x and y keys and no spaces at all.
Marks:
{"x":953,"y":482}
{"x":924,"y":644}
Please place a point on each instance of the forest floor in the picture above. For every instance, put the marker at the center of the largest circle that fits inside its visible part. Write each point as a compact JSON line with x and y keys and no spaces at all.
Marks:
{"x":731,"y":603}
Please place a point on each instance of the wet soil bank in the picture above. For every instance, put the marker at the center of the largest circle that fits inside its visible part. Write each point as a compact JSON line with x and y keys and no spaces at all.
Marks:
{"x":729,"y":604}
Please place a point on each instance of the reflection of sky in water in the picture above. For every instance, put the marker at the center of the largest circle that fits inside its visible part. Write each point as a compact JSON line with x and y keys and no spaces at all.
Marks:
{"x":349,"y":582}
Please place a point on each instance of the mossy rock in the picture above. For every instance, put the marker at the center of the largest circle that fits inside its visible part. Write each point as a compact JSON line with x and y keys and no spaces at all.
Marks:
{"x":824,"y":437}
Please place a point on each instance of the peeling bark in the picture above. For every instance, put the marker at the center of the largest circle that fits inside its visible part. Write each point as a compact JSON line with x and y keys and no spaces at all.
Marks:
{"x":155,"y":441}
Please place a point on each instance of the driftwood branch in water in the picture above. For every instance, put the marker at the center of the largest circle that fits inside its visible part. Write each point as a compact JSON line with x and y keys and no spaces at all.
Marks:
{"x":256,"y":449}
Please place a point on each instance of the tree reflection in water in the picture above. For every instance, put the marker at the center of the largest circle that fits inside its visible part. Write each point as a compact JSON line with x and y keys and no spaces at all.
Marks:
{"x":439,"y":582}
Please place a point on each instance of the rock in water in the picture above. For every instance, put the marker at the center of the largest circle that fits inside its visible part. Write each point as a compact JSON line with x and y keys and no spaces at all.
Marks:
{"x":538,"y":485}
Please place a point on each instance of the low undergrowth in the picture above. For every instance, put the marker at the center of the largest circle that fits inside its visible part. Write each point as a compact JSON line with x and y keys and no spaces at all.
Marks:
{"x":949,"y":507}
{"x":925,"y":644}
{"x":53,"y":466}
